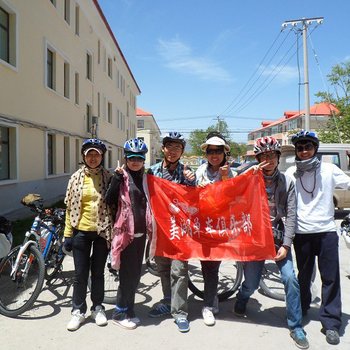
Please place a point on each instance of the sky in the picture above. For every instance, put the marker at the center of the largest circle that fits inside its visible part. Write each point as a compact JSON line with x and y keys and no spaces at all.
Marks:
{"x":199,"y":60}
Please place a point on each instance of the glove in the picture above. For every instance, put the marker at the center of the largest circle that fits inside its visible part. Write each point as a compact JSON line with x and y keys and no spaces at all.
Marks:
{"x":68,"y":243}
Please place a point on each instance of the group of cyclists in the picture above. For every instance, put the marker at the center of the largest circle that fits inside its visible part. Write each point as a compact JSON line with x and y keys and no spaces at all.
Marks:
{"x":111,"y":212}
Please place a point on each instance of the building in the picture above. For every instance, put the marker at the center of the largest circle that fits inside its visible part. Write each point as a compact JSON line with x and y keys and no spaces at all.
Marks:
{"x":148,"y":130}
{"x":63,"y":78}
{"x":291,"y":121}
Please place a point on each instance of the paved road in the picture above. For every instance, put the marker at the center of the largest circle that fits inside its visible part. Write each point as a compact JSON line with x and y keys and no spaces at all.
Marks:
{"x":44,"y":326}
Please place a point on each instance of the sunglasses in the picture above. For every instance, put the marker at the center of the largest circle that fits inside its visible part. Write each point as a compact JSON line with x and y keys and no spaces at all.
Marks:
{"x":174,"y":148}
{"x":136,"y":159}
{"x":266,"y":156}
{"x":307,"y":147}
{"x":215,"y":151}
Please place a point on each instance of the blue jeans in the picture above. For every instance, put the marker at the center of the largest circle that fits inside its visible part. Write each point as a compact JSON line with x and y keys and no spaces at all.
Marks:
{"x":252,"y":276}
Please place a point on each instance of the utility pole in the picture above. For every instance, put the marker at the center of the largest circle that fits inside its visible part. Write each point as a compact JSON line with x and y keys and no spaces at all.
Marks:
{"x":303,"y":24}
{"x":218,"y":125}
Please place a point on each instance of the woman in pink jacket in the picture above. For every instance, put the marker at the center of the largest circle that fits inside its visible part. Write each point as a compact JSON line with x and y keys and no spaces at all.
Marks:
{"x":132,"y":224}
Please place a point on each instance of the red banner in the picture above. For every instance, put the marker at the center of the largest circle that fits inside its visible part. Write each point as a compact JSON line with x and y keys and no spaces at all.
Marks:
{"x":227,"y":220}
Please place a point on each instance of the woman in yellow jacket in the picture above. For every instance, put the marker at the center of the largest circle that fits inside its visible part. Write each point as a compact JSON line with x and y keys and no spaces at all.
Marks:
{"x":88,"y":226}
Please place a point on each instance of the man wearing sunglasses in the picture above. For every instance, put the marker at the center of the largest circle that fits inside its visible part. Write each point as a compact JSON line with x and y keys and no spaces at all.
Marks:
{"x":316,"y":231}
{"x":282,"y":204}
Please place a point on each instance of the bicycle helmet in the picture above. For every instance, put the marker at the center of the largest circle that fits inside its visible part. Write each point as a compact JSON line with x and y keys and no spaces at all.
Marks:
{"x":304,"y":135}
{"x":135,"y":148}
{"x":93,"y":144}
{"x":216,"y":139}
{"x":174,"y":136}
{"x":266,"y":144}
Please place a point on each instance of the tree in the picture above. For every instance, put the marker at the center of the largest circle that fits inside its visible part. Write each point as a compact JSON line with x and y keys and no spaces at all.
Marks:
{"x":338,"y":127}
{"x":198,"y":136}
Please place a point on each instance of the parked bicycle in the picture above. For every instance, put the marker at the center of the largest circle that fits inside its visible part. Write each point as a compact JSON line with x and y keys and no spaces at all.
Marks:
{"x":40,"y":256}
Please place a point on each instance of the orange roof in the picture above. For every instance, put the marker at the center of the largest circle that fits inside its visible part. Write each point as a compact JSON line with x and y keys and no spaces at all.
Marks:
{"x":323,"y":108}
{"x":141,"y":113}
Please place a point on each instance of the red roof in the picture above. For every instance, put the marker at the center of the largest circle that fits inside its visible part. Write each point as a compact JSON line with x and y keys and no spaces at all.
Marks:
{"x":324,"y":108}
{"x":141,"y":113}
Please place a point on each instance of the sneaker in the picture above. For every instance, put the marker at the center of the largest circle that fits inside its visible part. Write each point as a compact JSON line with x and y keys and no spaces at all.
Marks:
{"x":208,"y":316}
{"x":332,"y":336}
{"x":99,"y":316}
{"x":216,"y":305}
{"x":121,"y":319}
{"x":136,"y":320}
{"x":159,"y":310}
{"x":76,"y":321}
{"x":182,"y":324}
{"x":239,"y":308}
{"x":298,"y":335}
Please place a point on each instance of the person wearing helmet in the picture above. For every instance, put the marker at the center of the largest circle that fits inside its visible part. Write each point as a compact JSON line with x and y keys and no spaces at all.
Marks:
{"x":173,"y":273}
{"x":282,"y":203}
{"x":316,"y":231}
{"x":132,"y":225}
{"x":215,"y":169}
{"x":88,"y":226}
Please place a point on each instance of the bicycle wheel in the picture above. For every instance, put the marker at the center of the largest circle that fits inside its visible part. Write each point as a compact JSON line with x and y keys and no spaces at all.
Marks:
{"x":18,"y":294}
{"x":111,"y":278}
{"x":271,"y":283}
{"x":54,"y":259}
{"x":230,"y":278}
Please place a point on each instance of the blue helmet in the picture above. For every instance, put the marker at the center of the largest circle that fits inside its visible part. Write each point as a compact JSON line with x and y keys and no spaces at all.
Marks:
{"x":174,"y":136}
{"x":304,"y":135}
{"x":135,"y":148}
{"x":96,"y":144}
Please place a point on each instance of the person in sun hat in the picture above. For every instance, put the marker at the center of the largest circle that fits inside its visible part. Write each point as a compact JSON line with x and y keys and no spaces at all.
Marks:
{"x":215,"y":169}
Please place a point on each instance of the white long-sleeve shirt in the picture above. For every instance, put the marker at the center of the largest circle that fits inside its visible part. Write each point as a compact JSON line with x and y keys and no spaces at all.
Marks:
{"x":316,"y":213}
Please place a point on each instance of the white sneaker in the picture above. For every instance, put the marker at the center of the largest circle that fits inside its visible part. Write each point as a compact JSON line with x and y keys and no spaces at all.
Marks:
{"x":76,"y":321}
{"x":136,"y":320}
{"x":127,"y":323}
{"x":208,"y":316}
{"x":99,"y":316}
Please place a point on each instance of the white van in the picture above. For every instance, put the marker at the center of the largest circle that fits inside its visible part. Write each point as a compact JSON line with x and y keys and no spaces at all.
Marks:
{"x":336,"y":153}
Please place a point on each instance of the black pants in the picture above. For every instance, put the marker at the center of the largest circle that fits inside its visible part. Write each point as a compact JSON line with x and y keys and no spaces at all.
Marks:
{"x":325,"y":246}
{"x":82,"y":243}
{"x":131,"y":259}
{"x":210,"y":271}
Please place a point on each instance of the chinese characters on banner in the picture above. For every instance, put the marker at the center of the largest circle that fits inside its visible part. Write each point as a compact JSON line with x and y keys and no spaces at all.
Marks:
{"x":227,"y":220}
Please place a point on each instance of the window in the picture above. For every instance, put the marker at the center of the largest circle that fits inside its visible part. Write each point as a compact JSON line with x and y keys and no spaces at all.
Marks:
{"x":67,"y":11}
{"x":4,"y":153}
{"x":66,"y":79}
{"x":50,"y":153}
{"x":4,"y":35}
{"x":98,"y":104}
{"x":8,"y":34}
{"x":53,"y":2}
{"x":89,"y":66}
{"x":109,"y":112}
{"x":88,"y":118}
{"x":76,"y":88}
{"x":77,"y":22}
{"x":110,"y":68}
{"x":140,"y":124}
{"x":50,"y":69}
{"x":109,"y":158}
{"x":66,"y":151}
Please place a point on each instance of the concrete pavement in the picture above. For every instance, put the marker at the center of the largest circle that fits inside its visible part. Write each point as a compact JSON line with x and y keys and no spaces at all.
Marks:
{"x":44,"y":326}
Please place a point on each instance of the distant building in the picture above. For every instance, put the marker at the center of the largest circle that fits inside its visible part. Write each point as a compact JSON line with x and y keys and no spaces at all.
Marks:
{"x":63,"y":78}
{"x":292,"y":120}
{"x":148,"y":130}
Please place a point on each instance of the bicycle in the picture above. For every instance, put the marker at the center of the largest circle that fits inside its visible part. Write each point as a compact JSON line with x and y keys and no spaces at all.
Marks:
{"x":230,"y":276}
{"x":40,"y":256}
